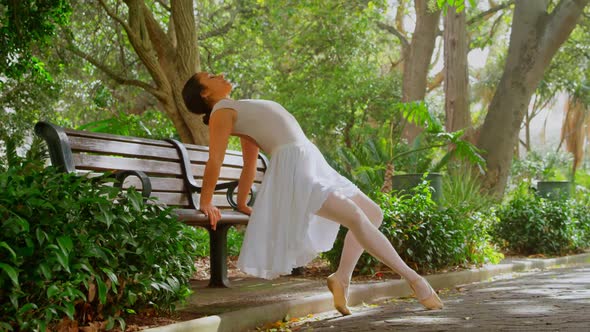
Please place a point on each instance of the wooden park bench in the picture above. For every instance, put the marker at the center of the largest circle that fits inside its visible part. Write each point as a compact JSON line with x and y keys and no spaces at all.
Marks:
{"x":167,"y":170}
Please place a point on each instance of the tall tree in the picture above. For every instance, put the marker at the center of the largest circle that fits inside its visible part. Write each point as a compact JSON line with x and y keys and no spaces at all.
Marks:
{"x":456,"y":71}
{"x":417,"y":55}
{"x":538,"y":30}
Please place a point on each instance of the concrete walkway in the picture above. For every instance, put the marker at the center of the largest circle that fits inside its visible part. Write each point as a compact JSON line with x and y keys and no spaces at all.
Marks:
{"x":550,"y":300}
{"x":252,"y":303}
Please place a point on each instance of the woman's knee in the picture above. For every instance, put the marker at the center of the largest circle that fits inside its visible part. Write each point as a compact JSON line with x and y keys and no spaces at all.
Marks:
{"x":378,"y":216}
{"x":371,"y":209}
{"x":343,"y":210}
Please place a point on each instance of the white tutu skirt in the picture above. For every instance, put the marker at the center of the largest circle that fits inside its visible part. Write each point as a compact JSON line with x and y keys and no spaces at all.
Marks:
{"x":283,"y":231}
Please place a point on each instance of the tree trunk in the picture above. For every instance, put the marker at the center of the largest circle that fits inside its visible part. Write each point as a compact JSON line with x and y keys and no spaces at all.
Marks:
{"x":456,"y":72}
{"x":170,"y":57}
{"x":535,"y":38}
{"x":417,"y":57}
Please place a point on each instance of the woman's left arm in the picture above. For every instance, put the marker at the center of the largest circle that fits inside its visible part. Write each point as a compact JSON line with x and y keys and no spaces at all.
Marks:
{"x":220,"y":128}
{"x":250,"y":156}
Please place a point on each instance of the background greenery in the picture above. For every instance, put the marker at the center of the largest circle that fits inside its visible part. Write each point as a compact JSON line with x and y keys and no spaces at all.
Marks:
{"x":333,"y":66}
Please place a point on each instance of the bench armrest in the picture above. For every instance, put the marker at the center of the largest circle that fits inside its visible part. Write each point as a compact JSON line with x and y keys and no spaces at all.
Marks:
{"x":146,"y":184}
{"x":192,"y":185}
{"x":230,"y":195}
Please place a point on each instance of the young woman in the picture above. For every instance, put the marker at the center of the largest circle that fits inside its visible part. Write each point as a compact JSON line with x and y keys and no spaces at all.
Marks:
{"x":302,"y":201}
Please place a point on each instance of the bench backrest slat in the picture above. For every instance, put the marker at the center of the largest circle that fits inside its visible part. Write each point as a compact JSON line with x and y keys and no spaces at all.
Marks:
{"x":85,"y":144}
{"x":158,"y":184}
{"x":110,"y":163}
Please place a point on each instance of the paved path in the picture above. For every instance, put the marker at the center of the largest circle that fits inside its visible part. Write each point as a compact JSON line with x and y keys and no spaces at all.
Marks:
{"x":550,"y":300}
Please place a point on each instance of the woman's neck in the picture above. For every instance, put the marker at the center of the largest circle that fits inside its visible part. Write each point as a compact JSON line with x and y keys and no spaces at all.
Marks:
{"x":216,"y":100}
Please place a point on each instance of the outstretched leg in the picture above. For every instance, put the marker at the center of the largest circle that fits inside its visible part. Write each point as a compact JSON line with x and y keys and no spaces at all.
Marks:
{"x":346,"y":212}
{"x":352,"y":250}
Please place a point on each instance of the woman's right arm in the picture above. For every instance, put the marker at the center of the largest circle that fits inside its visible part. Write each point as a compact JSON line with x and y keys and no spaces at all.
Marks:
{"x":220,"y":128}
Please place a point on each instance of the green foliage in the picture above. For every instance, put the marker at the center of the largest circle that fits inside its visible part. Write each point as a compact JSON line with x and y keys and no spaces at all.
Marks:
{"x":583,"y":179}
{"x":150,"y":124}
{"x":330,"y":75}
{"x":25,"y":25}
{"x":543,"y":167}
{"x":570,"y":70}
{"x":459,"y":5}
{"x":462,"y":188}
{"x":434,"y":138}
{"x":428,"y":238}
{"x":364,"y":164}
{"x":530,"y":224}
{"x":73,"y":248}
{"x":36,"y":151}
{"x":235,"y":238}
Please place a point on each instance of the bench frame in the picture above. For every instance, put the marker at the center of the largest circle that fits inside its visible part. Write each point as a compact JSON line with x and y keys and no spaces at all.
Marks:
{"x":62,"y":157}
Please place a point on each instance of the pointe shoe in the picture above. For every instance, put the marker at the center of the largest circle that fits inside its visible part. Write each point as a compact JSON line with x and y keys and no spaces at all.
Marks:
{"x":339,"y":295}
{"x":430,"y":302}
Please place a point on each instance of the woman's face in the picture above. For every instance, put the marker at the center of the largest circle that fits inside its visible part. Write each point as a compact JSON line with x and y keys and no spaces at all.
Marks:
{"x":215,"y":87}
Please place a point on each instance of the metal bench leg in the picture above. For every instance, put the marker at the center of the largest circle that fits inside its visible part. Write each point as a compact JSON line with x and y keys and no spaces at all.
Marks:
{"x":218,"y":256}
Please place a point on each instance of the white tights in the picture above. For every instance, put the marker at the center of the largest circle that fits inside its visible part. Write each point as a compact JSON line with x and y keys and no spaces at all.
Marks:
{"x":362,"y":217}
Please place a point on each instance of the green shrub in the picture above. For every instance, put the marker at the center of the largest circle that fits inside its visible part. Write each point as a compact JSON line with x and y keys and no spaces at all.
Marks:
{"x":530,"y":224}
{"x":72,"y":248}
{"x":235,"y":238}
{"x":462,"y":188}
{"x":426,"y":237}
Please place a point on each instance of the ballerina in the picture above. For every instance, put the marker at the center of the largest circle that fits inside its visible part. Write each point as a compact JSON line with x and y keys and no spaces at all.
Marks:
{"x":302,"y":201}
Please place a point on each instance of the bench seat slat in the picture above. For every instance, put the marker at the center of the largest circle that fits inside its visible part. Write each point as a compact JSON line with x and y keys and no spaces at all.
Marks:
{"x":197,"y":218}
{"x":180,"y":199}
{"x":165,"y":184}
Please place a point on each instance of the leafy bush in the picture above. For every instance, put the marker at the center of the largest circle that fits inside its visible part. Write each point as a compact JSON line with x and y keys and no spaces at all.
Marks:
{"x":429,"y":238}
{"x":546,"y":167}
{"x":235,"y":238}
{"x":71,"y":248}
{"x":530,"y":224}
{"x":462,"y":188}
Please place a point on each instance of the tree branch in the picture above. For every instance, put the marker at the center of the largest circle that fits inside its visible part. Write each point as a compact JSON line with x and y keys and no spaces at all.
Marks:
{"x":114,"y":16}
{"x":217,"y":32}
{"x":399,"y":17}
{"x":562,"y":21}
{"x":395,"y":32}
{"x":436,"y":81}
{"x":489,"y":12}
{"x":159,"y":39}
{"x":223,"y":29}
{"x":185,"y":29}
{"x":164,"y":5}
{"x":111,"y":73}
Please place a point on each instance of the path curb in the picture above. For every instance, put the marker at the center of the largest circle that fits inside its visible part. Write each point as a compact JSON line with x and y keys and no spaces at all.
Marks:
{"x":250,"y":318}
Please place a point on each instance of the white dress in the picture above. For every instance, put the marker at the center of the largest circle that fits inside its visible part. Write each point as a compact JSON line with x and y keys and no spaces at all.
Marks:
{"x":283,"y":231}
